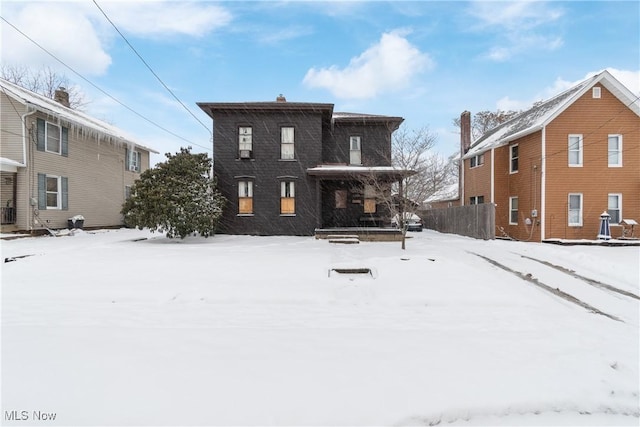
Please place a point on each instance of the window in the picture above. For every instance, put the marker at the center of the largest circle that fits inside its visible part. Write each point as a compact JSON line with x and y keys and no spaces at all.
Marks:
{"x":287,"y":198}
{"x":245,"y":197}
{"x":287,"y":144}
{"x":369,"y":199}
{"x":575,"y":209}
{"x":513,"y":155}
{"x":133,"y":160}
{"x":127,"y":191}
{"x":595,"y":92}
{"x":575,"y":150}
{"x":341,"y":199}
{"x":513,"y":210}
{"x":614,"y":208}
{"x":476,"y":161}
{"x":355,"y":157}
{"x":476,"y":200}
{"x":52,"y":138}
{"x":615,"y":150}
{"x":245,"y":142}
{"x":52,"y":192}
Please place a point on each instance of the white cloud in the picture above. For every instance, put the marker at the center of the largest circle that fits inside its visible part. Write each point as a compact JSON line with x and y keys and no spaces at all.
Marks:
{"x":167,"y":18}
{"x":519,"y":26}
{"x":388,"y":65}
{"x":63,"y":29}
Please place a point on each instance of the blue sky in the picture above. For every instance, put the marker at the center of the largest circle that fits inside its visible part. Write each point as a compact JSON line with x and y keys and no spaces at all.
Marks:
{"x":426,"y":61}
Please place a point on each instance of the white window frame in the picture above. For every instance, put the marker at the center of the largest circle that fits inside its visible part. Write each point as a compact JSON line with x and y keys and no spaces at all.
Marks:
{"x":571,"y":143}
{"x":476,"y":161}
{"x":618,"y":198}
{"x":245,"y":191}
{"x":513,"y":210}
{"x":245,"y":140}
{"x":287,"y":192}
{"x":512,"y":158}
{"x":596,"y":92}
{"x":618,"y":152}
{"x":355,"y":150}
{"x":52,"y":135}
{"x":287,"y":143}
{"x":134,"y":160}
{"x":57,"y":192}
{"x":577,"y":223}
{"x":475,"y":200}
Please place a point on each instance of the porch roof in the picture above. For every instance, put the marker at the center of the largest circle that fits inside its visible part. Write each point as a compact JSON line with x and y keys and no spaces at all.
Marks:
{"x":343,"y":171}
{"x":8,"y":165}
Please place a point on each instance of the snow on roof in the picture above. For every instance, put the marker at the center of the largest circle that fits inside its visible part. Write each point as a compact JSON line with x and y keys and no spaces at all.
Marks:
{"x":75,"y":119}
{"x":358,"y":170}
{"x":447,"y":192}
{"x":8,"y":165}
{"x":543,"y":113}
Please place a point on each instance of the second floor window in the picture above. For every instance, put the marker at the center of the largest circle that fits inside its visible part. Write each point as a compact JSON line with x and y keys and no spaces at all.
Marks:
{"x":355,"y":157}
{"x":287,"y":143}
{"x":476,"y":161}
{"x":575,"y":150}
{"x":615,"y":150}
{"x":513,"y":156}
{"x":245,"y":197}
{"x":53,"y":138}
{"x":287,"y":198}
{"x":245,"y":141}
{"x":133,"y":160}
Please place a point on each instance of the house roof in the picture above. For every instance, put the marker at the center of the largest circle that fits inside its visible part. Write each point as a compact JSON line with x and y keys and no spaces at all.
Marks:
{"x":73,"y":118}
{"x":545,"y":112}
{"x":345,"y":171}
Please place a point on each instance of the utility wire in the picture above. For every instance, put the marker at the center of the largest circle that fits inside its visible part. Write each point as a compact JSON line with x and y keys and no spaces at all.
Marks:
{"x":100,"y":89}
{"x":149,"y":67}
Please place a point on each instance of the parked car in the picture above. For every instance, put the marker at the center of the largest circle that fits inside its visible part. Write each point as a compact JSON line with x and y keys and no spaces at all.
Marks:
{"x":412,"y":221}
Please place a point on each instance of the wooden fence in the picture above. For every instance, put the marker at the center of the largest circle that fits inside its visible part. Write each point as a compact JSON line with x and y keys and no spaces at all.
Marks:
{"x":476,"y":221}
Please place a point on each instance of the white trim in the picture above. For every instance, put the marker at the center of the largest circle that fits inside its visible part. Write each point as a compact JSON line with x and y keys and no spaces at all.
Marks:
{"x":46,"y":137}
{"x":580,"y":150}
{"x":58,"y":193}
{"x":543,"y":183}
{"x":580,"y":222}
{"x":511,"y":147}
{"x":511,"y":199}
{"x":619,"y":164}
{"x":619,"y":196}
{"x":493,"y":174}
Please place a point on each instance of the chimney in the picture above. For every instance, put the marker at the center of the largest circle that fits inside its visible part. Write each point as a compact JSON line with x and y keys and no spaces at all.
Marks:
{"x":281,"y":98}
{"x":465,"y":132}
{"x":62,"y":96}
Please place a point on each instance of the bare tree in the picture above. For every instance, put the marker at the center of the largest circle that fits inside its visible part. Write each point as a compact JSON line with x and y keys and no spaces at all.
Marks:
{"x":44,"y":81}
{"x":484,"y":121}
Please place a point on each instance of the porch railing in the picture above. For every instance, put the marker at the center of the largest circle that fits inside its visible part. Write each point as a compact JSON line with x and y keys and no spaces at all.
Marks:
{"x":8,"y":215}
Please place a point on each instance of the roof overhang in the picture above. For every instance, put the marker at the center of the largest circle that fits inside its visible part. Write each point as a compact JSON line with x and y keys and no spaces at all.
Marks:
{"x":8,"y":165}
{"x":387,"y":173}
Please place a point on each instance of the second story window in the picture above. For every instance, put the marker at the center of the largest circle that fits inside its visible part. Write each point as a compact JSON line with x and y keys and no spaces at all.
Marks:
{"x":287,"y":143}
{"x":355,"y":155}
{"x":476,"y":161}
{"x":513,"y":156}
{"x":245,"y":197}
{"x":133,"y":160}
{"x":575,"y":150}
{"x":52,"y":138}
{"x":245,"y":142}
{"x":615,"y":150}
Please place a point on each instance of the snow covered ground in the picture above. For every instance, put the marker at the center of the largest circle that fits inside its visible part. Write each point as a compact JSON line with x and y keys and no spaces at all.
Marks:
{"x":126,"y":327}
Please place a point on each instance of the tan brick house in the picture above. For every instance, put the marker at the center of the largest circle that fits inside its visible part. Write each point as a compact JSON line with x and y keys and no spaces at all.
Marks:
{"x":554,"y":169}
{"x":57,"y":163}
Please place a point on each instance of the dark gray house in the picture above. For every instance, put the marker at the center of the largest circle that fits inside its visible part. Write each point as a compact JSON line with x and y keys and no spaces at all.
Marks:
{"x":290,"y":168}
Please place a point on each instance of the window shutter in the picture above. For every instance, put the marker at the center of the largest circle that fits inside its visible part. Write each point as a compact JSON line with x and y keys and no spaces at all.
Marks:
{"x":42,"y":191}
{"x":40,"y":135}
{"x":65,"y":193}
{"x":65,"y":142}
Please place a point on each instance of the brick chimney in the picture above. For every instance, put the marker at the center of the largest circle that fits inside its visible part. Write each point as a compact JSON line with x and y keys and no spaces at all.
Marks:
{"x":62,"y":96}
{"x":281,"y":98}
{"x":465,"y":132}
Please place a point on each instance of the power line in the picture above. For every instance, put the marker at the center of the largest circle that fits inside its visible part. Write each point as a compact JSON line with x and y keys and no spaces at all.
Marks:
{"x":149,"y":67}
{"x":100,"y":89}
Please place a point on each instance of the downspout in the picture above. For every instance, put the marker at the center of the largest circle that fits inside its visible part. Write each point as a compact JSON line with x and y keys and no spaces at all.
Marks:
{"x":543,"y":170}
{"x":24,"y":137}
{"x":493,"y":172}
{"x":28,"y":211}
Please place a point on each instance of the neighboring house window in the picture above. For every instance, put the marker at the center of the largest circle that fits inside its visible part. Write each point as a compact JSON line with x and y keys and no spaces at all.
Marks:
{"x":369,"y":199}
{"x":575,"y":209}
{"x":287,"y":143}
{"x":245,"y":141}
{"x":513,"y":210}
{"x":134,"y":159}
{"x":341,"y":199}
{"x":575,"y":150}
{"x":615,"y":150}
{"x":53,"y":192}
{"x":52,"y":138}
{"x":355,"y":154}
{"x":513,"y":156}
{"x":287,"y":198}
{"x":595,"y":92}
{"x":245,"y":197}
{"x":476,"y":161}
{"x":614,"y":208}
{"x":476,"y":200}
